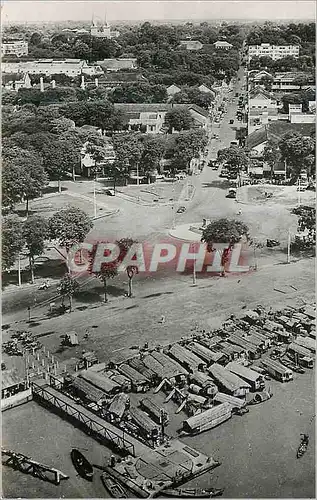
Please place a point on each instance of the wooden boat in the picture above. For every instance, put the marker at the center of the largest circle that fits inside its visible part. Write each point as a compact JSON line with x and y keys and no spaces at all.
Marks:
{"x":292,"y":366}
{"x":115,"y":489}
{"x":81,"y":464}
{"x":302,"y":447}
{"x":192,"y":492}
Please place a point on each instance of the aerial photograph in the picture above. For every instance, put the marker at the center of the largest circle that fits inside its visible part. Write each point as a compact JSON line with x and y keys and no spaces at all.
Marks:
{"x":158,"y":249}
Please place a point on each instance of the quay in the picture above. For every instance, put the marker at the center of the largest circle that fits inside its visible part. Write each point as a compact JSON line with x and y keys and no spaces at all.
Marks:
{"x":146,"y":469}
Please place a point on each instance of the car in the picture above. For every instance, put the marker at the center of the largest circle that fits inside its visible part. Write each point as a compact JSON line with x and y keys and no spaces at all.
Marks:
{"x":302,"y":187}
{"x":181,"y":210}
{"x":110,"y":192}
{"x":180,"y":177}
{"x":231,"y":122}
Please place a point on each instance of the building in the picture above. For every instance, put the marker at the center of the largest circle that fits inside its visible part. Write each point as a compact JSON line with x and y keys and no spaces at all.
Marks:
{"x":16,"y":48}
{"x":207,"y":90}
{"x":87,"y":163}
{"x":103,"y":31}
{"x":273,"y":51}
{"x":172,"y":90}
{"x":151,"y":117}
{"x":191,"y":45}
{"x":68,"y":67}
{"x":290,"y":81}
{"x":11,"y":383}
{"x":115,"y":79}
{"x":15,"y":82}
{"x":220,"y":44}
{"x":118,"y":64}
{"x":262,"y":108}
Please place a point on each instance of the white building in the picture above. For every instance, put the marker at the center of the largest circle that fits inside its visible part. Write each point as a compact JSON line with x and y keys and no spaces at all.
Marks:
{"x":273,"y":51}
{"x":87,"y":162}
{"x":103,"y":31}
{"x":69,"y":67}
{"x":220,"y":44}
{"x":191,"y":44}
{"x":14,"y":48}
{"x":173,"y":89}
{"x":262,"y":108}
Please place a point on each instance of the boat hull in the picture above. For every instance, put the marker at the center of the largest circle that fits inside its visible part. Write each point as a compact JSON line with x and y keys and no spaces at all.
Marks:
{"x":192,"y":493}
{"x":82,"y":465}
{"x":115,"y":489}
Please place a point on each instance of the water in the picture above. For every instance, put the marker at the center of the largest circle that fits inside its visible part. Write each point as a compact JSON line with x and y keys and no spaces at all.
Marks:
{"x":257,"y":450}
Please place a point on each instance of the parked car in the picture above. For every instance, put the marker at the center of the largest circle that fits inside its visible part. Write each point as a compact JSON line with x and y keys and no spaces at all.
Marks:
{"x":180,"y":177}
{"x":232,"y":193}
{"x":231,"y":122}
{"x":181,"y":210}
{"x":110,"y":192}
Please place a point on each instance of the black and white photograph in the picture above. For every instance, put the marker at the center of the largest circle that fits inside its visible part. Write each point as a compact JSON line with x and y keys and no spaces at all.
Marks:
{"x":158,"y":249}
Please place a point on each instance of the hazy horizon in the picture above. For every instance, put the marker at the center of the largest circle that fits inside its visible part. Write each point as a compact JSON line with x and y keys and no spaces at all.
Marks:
{"x":25,"y":11}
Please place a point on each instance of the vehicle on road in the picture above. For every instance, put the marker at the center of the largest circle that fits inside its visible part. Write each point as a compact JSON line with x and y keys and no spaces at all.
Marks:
{"x":110,"y":192}
{"x":231,"y":122}
{"x":180,"y":177}
{"x":232,"y":193}
{"x":181,"y":210}
{"x":223,"y":173}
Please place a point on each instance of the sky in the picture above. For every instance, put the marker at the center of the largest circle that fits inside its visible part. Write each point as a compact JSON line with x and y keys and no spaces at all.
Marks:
{"x":134,"y":10}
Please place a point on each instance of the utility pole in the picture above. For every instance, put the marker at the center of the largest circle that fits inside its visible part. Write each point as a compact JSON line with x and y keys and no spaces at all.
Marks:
{"x":194,"y":267}
{"x":137,"y":174}
{"x":299,"y":200}
{"x":289,"y":247}
{"x":255,"y":256}
{"x":95,"y":203}
{"x":19,"y":270}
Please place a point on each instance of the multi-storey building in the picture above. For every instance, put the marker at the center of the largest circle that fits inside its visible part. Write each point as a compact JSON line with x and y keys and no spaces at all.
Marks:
{"x":14,"y":48}
{"x":69,"y":67}
{"x":273,"y":51}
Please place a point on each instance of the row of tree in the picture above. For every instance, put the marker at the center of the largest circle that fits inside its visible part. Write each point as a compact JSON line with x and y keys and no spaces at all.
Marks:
{"x":287,"y":63}
{"x":282,"y":34}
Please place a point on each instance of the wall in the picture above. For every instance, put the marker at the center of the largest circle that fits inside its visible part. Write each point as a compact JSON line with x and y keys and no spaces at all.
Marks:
{"x":303,"y":118}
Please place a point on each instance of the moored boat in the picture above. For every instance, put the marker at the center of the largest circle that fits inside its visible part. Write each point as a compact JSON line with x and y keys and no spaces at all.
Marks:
{"x":82,"y":465}
{"x":192,"y":492}
{"x":115,"y":489}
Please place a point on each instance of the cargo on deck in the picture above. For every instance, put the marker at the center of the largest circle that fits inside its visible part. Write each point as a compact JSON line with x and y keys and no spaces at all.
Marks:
{"x":207,"y":419}
{"x":230,"y":383}
{"x":206,"y":354}
{"x":255,"y":380}
{"x":186,"y":357}
{"x":277,"y":370}
{"x":138,"y":381}
{"x":103,"y":383}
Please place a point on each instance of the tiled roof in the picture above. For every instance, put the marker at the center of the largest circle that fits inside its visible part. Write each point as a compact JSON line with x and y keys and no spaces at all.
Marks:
{"x":157,"y":107}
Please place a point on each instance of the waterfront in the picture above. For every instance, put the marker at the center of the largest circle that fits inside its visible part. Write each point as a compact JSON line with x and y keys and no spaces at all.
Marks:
{"x":257,"y":451}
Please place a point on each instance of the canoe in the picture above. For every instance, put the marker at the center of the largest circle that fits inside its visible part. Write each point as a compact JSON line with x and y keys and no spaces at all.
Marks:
{"x":115,"y":489}
{"x":81,"y":464}
{"x":192,"y":492}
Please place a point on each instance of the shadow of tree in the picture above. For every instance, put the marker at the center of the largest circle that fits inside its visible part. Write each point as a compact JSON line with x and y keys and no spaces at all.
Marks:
{"x":221,"y":184}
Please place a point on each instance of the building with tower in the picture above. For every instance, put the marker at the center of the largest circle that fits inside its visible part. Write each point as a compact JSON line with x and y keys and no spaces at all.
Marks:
{"x":102,"y":31}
